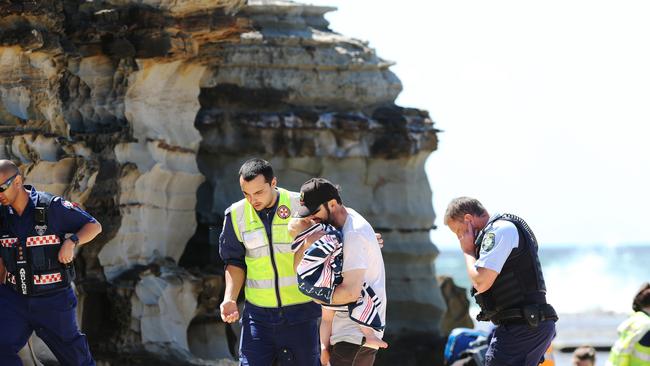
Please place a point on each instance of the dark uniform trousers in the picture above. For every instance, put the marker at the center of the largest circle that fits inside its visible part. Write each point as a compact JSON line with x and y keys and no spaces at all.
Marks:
{"x":280,"y":336}
{"x":52,"y":317}
{"x":519,"y":344}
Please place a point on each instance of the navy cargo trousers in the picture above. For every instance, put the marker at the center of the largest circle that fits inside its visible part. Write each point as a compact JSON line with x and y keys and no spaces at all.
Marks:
{"x":52,"y":317}
{"x":519,"y":344}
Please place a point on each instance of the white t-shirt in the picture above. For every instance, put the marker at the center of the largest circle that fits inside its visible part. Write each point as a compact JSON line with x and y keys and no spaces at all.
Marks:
{"x":500,"y":238}
{"x":360,"y":251}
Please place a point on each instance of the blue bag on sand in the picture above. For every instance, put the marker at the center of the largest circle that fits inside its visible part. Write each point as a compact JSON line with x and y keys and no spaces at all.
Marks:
{"x":459,"y":341}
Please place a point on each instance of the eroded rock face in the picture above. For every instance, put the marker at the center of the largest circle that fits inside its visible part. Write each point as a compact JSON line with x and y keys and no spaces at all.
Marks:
{"x":143,"y":111}
{"x":457,"y":314}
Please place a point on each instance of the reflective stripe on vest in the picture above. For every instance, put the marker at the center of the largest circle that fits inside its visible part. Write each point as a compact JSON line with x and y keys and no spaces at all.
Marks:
{"x":8,"y":242}
{"x":44,"y":279}
{"x":261,"y":268}
{"x":34,"y":241}
{"x":627,"y":351}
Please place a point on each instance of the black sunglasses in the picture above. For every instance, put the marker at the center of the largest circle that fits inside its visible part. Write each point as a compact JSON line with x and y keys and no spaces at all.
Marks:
{"x":4,"y":186}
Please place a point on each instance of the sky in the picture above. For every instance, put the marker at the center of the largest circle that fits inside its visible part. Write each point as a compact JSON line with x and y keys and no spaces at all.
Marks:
{"x":544,"y":106}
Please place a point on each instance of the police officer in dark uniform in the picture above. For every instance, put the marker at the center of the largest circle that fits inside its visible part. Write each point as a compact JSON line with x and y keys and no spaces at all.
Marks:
{"x":39,"y":234}
{"x":502,"y":263}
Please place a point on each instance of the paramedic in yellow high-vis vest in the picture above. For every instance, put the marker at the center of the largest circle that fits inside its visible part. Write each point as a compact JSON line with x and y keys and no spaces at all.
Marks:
{"x":632,"y":348}
{"x":279,"y":323}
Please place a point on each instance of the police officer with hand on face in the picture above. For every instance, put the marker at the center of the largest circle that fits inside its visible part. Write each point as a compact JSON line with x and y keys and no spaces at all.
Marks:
{"x":39,"y":234}
{"x":501,"y":259}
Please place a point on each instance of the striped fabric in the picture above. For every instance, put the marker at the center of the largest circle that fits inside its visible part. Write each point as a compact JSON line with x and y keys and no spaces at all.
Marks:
{"x":366,"y":310}
{"x":320,"y":271}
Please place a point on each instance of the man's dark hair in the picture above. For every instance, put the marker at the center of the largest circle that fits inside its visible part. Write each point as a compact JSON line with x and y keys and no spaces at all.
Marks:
{"x":460,"y":206}
{"x":642,"y":298}
{"x":585,"y":353}
{"x":254,"y":167}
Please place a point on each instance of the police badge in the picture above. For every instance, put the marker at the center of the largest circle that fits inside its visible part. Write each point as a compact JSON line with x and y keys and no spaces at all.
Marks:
{"x":40,"y":229}
{"x":488,"y":242}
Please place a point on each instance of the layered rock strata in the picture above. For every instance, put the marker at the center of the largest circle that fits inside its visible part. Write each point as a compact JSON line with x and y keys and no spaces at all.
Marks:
{"x":142,"y":113}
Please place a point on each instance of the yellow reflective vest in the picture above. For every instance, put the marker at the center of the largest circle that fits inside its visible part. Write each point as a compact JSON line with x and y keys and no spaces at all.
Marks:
{"x":270,"y":277}
{"x":627,"y":351}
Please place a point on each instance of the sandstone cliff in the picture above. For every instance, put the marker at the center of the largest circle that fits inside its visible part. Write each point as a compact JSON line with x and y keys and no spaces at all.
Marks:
{"x":142,"y":112}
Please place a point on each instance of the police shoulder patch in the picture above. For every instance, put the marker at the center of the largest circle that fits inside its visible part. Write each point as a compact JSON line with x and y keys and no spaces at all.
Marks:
{"x":488,"y":242}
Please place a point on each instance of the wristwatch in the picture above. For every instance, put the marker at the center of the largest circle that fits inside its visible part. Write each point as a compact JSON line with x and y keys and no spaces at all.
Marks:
{"x":75,"y":239}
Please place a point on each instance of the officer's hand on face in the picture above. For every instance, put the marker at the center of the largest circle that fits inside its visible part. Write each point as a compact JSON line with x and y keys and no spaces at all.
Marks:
{"x":229,"y":311}
{"x":467,"y":239}
{"x":379,"y":240}
{"x":66,"y":253}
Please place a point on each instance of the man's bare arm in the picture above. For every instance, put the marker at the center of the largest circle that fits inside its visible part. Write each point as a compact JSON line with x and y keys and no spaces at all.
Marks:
{"x":235,"y":277}
{"x":350,"y":289}
{"x":482,"y":278}
{"x":300,"y":253}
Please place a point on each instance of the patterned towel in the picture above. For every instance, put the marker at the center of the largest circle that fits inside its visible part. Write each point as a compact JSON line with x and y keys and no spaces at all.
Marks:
{"x":320,"y":271}
{"x":366,"y":310}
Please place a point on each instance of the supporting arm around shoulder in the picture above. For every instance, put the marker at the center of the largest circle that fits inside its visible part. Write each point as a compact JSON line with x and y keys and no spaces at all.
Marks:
{"x":350,"y":289}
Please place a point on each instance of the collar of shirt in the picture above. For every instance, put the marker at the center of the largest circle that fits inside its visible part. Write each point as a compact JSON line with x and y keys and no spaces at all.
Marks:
{"x":33,"y":200}
{"x":496,"y":216}
{"x":268,"y":210}
{"x":266,"y":215}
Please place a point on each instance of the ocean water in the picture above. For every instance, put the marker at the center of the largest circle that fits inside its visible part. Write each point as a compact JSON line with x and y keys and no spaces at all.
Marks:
{"x":591,"y":287}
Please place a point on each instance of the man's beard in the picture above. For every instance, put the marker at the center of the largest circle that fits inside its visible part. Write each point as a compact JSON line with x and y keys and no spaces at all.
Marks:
{"x":328,"y":220}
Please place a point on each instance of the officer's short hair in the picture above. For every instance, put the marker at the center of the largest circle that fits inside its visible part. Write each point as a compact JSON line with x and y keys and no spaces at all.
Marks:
{"x":254,"y":167}
{"x":585,"y":353}
{"x":8,"y":167}
{"x":460,"y":206}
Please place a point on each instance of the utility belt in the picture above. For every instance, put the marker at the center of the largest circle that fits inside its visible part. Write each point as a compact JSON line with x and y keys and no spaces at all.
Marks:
{"x":529,"y":314}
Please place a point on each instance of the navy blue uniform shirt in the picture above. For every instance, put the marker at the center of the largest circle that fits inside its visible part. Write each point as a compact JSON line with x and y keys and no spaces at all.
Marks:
{"x":233,"y":252}
{"x":63,"y":217}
